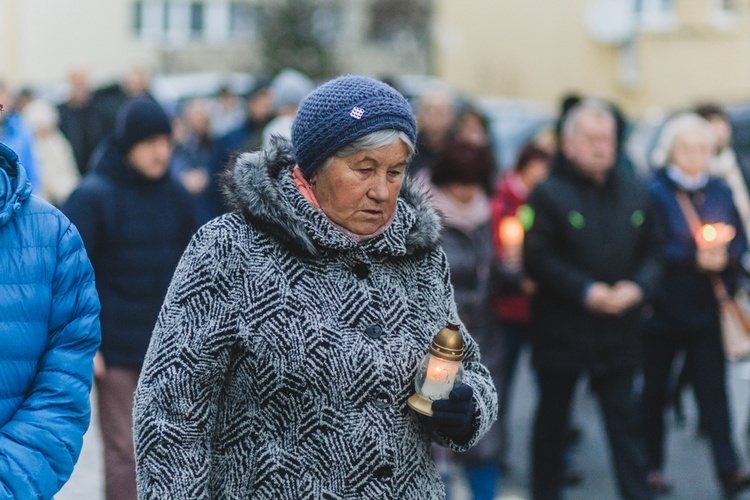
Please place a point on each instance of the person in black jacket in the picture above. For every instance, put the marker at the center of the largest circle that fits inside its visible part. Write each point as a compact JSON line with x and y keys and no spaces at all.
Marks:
{"x":135,"y":221}
{"x":593,"y":250}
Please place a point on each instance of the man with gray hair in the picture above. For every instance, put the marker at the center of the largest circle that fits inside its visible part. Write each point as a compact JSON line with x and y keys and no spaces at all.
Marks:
{"x":592,"y":248}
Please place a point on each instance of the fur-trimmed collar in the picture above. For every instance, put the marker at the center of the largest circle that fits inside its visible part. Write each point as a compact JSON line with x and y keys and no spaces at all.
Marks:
{"x":259,"y":184}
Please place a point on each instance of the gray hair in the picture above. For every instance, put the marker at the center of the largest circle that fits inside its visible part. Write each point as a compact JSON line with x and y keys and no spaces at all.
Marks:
{"x":587,"y":107}
{"x":373,"y":140}
{"x":674,"y":129}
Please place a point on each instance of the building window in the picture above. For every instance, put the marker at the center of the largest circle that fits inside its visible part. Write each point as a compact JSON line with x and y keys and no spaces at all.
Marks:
{"x":656,"y":15}
{"x":723,"y":13}
{"x":196,"y":19}
{"x":138,"y":18}
{"x":243,"y":21}
{"x":392,"y":19}
{"x":149,"y":19}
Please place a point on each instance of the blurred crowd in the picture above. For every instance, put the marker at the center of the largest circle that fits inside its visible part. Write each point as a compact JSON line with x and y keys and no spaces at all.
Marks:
{"x":570,"y":252}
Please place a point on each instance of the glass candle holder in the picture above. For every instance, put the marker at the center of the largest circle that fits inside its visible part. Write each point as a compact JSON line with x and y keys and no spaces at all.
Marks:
{"x":440,"y":369}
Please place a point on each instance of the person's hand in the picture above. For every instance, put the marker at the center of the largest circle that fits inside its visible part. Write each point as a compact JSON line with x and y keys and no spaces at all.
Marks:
{"x":100,"y":368}
{"x":512,"y":257}
{"x":454,"y":416}
{"x":194,"y":180}
{"x":601,"y":299}
{"x":528,"y":287}
{"x":613,"y":300}
{"x":712,"y":260}
{"x":628,"y":294}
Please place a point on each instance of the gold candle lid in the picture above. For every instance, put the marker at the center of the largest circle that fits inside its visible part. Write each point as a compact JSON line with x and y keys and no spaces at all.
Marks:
{"x":448,"y":344}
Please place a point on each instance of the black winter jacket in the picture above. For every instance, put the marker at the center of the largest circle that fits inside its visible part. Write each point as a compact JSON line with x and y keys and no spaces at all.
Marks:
{"x":581,"y":233}
{"x":135,"y":231}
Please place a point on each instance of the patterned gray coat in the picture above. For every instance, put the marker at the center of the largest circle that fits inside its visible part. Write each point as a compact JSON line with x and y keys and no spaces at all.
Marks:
{"x":284,"y":353}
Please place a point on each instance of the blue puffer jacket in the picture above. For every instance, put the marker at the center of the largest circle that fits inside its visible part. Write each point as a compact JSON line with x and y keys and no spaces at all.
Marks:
{"x":49,"y":332}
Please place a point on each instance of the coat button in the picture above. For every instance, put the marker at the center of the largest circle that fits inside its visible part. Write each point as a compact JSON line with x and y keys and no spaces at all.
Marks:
{"x":384,"y":473}
{"x":374,"y":331}
{"x":382,"y":400}
{"x":361,"y":270}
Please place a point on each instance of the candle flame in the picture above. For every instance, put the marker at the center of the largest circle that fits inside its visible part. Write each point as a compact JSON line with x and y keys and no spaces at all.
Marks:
{"x":510,"y":231}
{"x":714,"y":235}
{"x":709,"y":233}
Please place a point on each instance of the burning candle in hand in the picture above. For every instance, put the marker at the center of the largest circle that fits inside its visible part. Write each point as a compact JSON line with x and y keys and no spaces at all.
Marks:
{"x":510,"y":231}
{"x":714,"y":235}
{"x":439,"y":370}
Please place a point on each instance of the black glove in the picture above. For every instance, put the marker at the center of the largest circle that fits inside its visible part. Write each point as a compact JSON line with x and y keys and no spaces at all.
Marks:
{"x":454,"y":416}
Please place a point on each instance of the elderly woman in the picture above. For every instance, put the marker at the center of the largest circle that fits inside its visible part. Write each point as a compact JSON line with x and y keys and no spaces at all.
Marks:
{"x":288,"y":343}
{"x":685,"y":312}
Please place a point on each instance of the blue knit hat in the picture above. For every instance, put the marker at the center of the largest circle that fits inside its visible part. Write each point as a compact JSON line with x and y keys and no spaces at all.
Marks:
{"x":342,"y":110}
{"x":139,"y":119}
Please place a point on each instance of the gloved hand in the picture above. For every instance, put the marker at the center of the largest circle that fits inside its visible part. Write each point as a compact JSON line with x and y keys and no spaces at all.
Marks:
{"x":455,"y":415}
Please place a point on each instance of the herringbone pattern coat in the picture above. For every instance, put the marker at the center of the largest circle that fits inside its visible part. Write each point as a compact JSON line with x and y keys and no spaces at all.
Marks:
{"x":284,"y":354}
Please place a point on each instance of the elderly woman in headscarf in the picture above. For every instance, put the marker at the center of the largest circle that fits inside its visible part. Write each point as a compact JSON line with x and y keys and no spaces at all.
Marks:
{"x":289,"y":340}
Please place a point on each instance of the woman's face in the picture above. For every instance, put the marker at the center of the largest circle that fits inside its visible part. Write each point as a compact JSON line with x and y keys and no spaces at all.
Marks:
{"x":534,"y":173}
{"x":691,"y":152}
{"x":359,"y":192}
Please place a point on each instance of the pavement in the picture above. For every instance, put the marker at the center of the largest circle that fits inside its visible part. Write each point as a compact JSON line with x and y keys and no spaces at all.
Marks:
{"x":689,"y":463}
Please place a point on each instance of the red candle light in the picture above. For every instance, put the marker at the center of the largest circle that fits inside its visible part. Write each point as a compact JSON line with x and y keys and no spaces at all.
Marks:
{"x":510,"y":231}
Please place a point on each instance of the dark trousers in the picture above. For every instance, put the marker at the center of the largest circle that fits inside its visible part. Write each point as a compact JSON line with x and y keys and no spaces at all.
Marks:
{"x":705,"y":365}
{"x":618,"y":404}
{"x":116,"y":391}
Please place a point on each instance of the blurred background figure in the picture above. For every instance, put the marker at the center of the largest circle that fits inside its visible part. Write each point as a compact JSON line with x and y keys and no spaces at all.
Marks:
{"x":458,"y":182}
{"x":135,"y":221}
{"x":57,"y":165}
{"x":18,"y":136}
{"x":109,"y":98}
{"x":436,"y":116}
{"x":512,"y":302}
{"x":592,"y":249}
{"x":227,"y":111}
{"x":472,"y":126}
{"x":246,"y":137}
{"x":79,"y":119}
{"x":685,"y":312}
{"x":191,"y":157}
{"x":724,"y":164}
{"x":288,"y":89}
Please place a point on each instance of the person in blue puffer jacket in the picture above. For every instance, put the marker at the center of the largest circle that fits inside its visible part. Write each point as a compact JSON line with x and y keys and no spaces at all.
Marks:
{"x":49,"y":333}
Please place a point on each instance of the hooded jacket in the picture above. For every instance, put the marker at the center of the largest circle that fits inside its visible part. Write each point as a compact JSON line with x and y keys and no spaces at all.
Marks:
{"x":135,"y":230}
{"x":49,"y":332}
{"x":285,"y":353}
{"x":583,"y":232}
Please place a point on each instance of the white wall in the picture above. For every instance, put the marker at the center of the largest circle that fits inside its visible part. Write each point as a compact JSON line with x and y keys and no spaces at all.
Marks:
{"x":52,"y":36}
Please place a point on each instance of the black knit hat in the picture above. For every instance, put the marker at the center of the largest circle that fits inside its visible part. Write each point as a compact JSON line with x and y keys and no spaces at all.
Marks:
{"x":342,"y":110}
{"x":140,"y":118}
